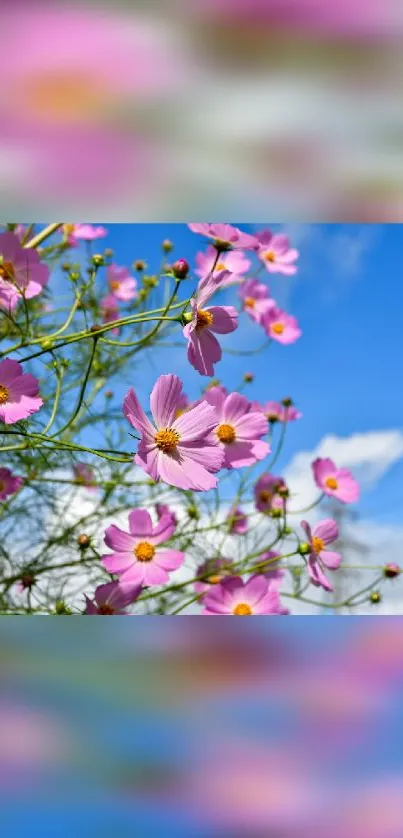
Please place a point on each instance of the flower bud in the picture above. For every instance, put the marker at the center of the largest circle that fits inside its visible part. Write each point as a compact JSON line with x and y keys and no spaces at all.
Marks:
{"x":98,"y":260}
{"x":276,"y":513}
{"x":109,"y":394}
{"x":187,"y":317}
{"x":167,"y":246}
{"x":391,"y":570}
{"x":248,"y":377}
{"x":287,"y":530}
{"x":375,"y":597}
{"x":193,"y":512}
{"x":61,"y":609}
{"x":180,"y":269}
{"x":139,"y":265}
{"x":287,"y":402}
{"x":83,"y":541}
{"x":304,"y":548}
{"x":28,"y":580}
{"x":96,"y":327}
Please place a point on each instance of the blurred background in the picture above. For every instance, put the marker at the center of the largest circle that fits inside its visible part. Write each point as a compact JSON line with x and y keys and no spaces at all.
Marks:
{"x":249,"y":108}
{"x":260,"y":730}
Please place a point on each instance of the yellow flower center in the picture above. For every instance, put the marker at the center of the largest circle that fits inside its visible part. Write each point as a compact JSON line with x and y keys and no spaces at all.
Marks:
{"x":331,"y":483}
{"x":64,"y":97}
{"x":114,"y":284}
{"x":4,"y":394}
{"x":214,"y":579}
{"x":68,"y":229}
{"x":226,"y":434}
{"x":221,"y":267}
{"x":318,"y":545}
{"x":242,"y":610}
{"x":106,"y":609}
{"x":167,"y":440}
{"x":270,"y":256}
{"x":278,"y":328}
{"x":7,"y":271}
{"x":144,"y":551}
{"x":249,"y":302}
{"x":204,"y":318}
{"x":265,"y":496}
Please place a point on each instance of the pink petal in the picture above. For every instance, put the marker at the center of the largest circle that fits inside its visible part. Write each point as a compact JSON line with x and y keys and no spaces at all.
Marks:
{"x":196,"y":423}
{"x":209,"y":456}
{"x":330,"y":559}
{"x":118,"y":539}
{"x":153,"y":574}
{"x":235,"y":407}
{"x":203,"y":351}
{"x":135,"y":414}
{"x":252,"y":426}
{"x":318,"y":577}
{"x":239,"y":454}
{"x":225,"y":319}
{"x":164,"y":530}
{"x":327,"y":530}
{"x":185,"y":475}
{"x":118,"y":562}
{"x":307,"y":529}
{"x":169,"y":559}
{"x":164,"y":400}
{"x":9,"y":371}
{"x":147,"y":459}
{"x":255,"y":589}
{"x":140,"y":523}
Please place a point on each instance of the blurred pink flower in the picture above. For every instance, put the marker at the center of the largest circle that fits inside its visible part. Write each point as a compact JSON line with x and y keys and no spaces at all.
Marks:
{"x":86,"y":232}
{"x":275,"y":252}
{"x":238,"y":521}
{"x":9,"y":483}
{"x":121,"y":284}
{"x":323,"y":533}
{"x":233,"y":261}
{"x":177,"y":450}
{"x":335,"y":482}
{"x":281,"y":326}
{"x":239,"y":430}
{"x":203,"y":348}
{"x":21,"y":272}
{"x":110,"y":311}
{"x":161,"y":509}
{"x":18,"y":392}
{"x":225,"y":236}
{"x":214,"y":570}
{"x":85,"y":476}
{"x":112,"y":598}
{"x":266,"y":493}
{"x":256,"y":299}
{"x":136,"y":557}
{"x":277,"y":412}
{"x":268,"y":566}
{"x":242,"y":599}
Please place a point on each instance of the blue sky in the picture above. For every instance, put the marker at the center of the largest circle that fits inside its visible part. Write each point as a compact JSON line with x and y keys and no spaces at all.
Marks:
{"x":344,"y":372}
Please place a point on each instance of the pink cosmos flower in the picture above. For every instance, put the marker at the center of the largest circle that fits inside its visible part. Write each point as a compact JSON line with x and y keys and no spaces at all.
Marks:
{"x":85,"y":475}
{"x":238,"y":430}
{"x":238,"y":521}
{"x":177,"y":450}
{"x":277,"y":412}
{"x":18,"y":392}
{"x":256,"y":299}
{"x":233,"y":261}
{"x":242,"y":599}
{"x":112,"y":598}
{"x":214,"y":571}
{"x":9,"y":483}
{"x":21,"y":272}
{"x":226,"y":236}
{"x":281,"y":326}
{"x":136,"y":557}
{"x":336,"y":482}
{"x":266,"y":493}
{"x":275,"y":252}
{"x":161,"y":509}
{"x":75,"y":233}
{"x":324,"y":533}
{"x":110,"y":311}
{"x":203,"y":348}
{"x":121,"y":284}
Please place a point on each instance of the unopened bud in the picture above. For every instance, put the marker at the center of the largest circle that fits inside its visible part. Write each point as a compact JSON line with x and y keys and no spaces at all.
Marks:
{"x":61,"y":609}
{"x":180,"y":269}
{"x":248,"y":377}
{"x":304,"y":548}
{"x":275,"y":513}
{"x":83,"y":541}
{"x":98,"y":260}
{"x":139,"y":265}
{"x":167,"y":246}
{"x":391,"y":570}
{"x":287,"y":402}
{"x":193,"y":512}
{"x":375,"y":597}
